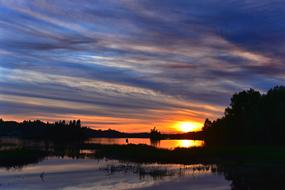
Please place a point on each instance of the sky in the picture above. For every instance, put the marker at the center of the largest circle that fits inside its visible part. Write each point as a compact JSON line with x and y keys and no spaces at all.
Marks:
{"x":130,"y":65}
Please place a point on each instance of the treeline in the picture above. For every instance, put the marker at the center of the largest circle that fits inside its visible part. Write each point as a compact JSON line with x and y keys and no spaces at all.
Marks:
{"x":251,"y":119}
{"x":58,"y":131}
{"x":157,"y":135}
{"x":72,"y":130}
{"x":110,"y":133}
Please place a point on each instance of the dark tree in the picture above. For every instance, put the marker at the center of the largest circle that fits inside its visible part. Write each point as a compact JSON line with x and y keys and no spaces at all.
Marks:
{"x":155,"y":134}
{"x":251,"y":119}
{"x":59,"y":131}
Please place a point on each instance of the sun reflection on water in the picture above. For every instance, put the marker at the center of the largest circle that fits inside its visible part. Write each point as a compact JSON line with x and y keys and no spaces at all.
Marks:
{"x":189,"y":143}
{"x":168,"y":144}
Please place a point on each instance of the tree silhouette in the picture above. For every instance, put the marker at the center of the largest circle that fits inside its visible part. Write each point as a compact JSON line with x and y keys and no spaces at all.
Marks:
{"x":251,"y":119}
{"x":155,"y":134}
{"x":59,"y":130}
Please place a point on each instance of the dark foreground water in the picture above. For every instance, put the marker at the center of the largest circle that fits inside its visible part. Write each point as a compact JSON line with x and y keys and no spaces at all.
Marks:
{"x":88,"y":174}
{"x":24,"y":165}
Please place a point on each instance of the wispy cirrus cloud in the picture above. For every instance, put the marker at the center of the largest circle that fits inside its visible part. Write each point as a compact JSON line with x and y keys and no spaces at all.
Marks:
{"x":133,"y":64}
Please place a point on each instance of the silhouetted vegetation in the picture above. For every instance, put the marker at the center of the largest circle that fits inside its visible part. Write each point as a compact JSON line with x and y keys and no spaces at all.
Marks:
{"x":144,"y":154}
{"x":110,"y":133}
{"x":154,"y":134}
{"x":18,"y":153}
{"x":196,"y":155}
{"x":251,"y":119}
{"x":58,"y":131}
{"x":73,"y":131}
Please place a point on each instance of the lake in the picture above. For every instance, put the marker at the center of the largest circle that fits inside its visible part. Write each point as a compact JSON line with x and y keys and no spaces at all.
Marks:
{"x":168,"y":144}
{"x":89,"y":174}
{"x":33,"y":165}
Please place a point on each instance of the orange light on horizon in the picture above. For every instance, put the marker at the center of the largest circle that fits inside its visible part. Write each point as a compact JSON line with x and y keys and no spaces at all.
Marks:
{"x":173,"y":124}
{"x":188,"y":126}
{"x":190,"y":143}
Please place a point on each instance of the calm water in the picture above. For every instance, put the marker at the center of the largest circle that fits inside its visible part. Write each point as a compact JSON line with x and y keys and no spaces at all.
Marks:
{"x":89,"y":174}
{"x":69,"y":167}
{"x":169,"y":144}
{"x":67,"y":172}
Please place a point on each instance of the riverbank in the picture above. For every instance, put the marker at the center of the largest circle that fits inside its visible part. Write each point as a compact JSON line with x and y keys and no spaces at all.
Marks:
{"x":205,"y":155}
{"x":148,"y":154}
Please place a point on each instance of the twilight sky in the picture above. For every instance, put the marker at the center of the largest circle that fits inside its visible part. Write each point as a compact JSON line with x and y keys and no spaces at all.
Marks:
{"x":133,"y":64}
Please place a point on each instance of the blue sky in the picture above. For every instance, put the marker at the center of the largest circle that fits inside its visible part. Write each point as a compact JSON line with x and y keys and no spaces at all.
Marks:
{"x":129,"y":65}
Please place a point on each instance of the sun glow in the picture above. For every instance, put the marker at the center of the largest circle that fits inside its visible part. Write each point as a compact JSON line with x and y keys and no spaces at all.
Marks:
{"x":190,"y":143}
{"x":188,"y":126}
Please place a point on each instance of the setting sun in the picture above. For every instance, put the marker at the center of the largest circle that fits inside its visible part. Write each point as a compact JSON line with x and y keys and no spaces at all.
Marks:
{"x":188,"y":126}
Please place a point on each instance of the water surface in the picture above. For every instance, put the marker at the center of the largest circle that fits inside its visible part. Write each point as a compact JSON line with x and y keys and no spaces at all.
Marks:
{"x":73,"y":168}
{"x":168,"y":144}
{"x":33,"y":165}
{"x":89,"y":174}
